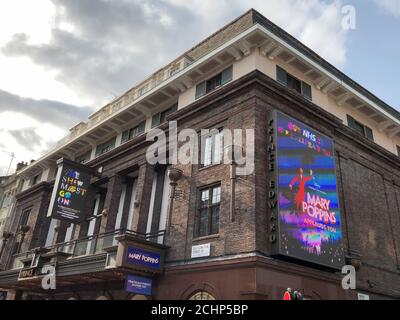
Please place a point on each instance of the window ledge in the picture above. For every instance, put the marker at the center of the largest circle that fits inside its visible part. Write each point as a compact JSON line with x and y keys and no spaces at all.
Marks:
{"x":210,"y":237}
{"x":210,"y":92}
{"x":202,"y":168}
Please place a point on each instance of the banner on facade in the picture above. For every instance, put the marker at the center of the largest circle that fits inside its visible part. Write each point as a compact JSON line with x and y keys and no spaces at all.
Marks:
{"x":303,"y":197}
{"x":70,"y":192}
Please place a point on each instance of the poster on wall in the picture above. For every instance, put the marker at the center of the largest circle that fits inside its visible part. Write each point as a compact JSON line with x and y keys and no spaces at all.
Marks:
{"x":70,"y":192}
{"x":308,"y":223}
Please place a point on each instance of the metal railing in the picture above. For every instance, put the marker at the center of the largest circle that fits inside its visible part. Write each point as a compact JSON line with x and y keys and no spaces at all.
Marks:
{"x":90,"y":245}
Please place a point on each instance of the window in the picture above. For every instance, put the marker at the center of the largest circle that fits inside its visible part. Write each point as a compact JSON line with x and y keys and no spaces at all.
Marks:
{"x":84,"y":158}
{"x":202,"y":295}
{"x":360,"y":128}
{"x":210,"y":199}
{"x":6,"y":200}
{"x":133,"y":132}
{"x":105,"y":147}
{"x":160,"y":117}
{"x":214,"y":83}
{"x":23,"y":221}
{"x":35,"y":179}
{"x":212,"y":145}
{"x":293,"y":83}
{"x":398,"y":150}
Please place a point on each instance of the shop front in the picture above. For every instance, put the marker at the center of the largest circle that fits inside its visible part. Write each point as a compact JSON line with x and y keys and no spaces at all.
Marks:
{"x":121,"y":265}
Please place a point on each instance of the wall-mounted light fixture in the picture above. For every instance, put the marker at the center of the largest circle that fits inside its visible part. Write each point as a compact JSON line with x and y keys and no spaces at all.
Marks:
{"x":174,"y":176}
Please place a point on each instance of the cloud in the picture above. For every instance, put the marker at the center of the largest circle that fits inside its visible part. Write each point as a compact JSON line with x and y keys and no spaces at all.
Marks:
{"x":45,"y":111}
{"x":101,"y":50}
{"x":391,"y":6}
{"x":28,"y":138}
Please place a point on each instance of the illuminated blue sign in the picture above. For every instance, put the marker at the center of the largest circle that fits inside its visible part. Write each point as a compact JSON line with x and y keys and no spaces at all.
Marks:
{"x":139,"y":285}
{"x":143,"y":258}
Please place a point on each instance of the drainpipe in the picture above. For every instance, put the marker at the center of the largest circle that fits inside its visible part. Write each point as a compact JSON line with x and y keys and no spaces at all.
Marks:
{"x":233,"y":190}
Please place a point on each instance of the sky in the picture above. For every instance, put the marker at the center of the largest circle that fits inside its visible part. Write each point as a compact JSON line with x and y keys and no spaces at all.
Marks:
{"x":62,"y":60}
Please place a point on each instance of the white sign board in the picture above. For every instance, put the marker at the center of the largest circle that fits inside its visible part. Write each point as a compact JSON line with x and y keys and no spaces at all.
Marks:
{"x":362,"y":296}
{"x":203,"y":250}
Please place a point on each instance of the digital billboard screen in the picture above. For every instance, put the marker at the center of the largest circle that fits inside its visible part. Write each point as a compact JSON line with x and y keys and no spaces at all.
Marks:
{"x":308,"y":214}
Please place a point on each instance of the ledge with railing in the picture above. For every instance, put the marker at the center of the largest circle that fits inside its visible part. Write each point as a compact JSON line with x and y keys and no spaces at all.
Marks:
{"x":90,"y":245}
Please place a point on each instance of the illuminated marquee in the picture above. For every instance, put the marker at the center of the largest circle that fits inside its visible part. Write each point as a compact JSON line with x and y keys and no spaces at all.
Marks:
{"x":303,"y":200}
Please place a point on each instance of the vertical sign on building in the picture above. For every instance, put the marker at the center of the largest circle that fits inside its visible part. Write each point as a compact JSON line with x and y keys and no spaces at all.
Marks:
{"x":305,"y":219}
{"x":70,"y":192}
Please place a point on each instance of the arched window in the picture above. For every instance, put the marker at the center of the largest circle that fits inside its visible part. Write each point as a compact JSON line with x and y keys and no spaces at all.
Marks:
{"x":202,"y":295}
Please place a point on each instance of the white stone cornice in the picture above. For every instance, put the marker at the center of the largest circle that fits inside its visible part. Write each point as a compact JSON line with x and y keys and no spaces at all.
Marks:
{"x":322,"y":83}
{"x":394,"y":133}
{"x":235,"y":53}
{"x":331,"y":86}
{"x":267,"y":48}
{"x":342,"y":99}
{"x":274,"y":53}
{"x":245,"y":48}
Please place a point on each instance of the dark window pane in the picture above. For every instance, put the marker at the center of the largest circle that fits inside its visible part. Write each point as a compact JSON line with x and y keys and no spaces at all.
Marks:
{"x":281,"y":75}
{"x":214,"y":220}
{"x":214,"y":83}
{"x":294,"y":83}
{"x":84,"y":158}
{"x":200,"y":89}
{"x":24,"y":218}
{"x":125,"y":136}
{"x":105,"y":147}
{"x":208,"y":219}
{"x":227,"y":75}
{"x":355,"y":125}
{"x":306,"y":90}
{"x":155,"y":120}
{"x":203,"y":223}
{"x":167,"y":112}
{"x":369,"y":134}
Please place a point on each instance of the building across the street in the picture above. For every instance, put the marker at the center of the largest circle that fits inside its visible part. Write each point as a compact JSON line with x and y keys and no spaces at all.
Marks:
{"x":312,"y":185}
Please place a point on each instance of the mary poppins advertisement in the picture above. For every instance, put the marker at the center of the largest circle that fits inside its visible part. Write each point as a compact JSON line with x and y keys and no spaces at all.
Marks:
{"x":309,"y":224}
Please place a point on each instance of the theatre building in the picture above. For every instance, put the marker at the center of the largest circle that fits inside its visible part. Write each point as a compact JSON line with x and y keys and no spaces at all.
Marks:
{"x":319,"y":188}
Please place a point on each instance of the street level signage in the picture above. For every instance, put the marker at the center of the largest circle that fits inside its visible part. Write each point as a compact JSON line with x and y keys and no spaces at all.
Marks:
{"x":144,"y":258}
{"x":139,"y":285}
{"x":202,"y":250}
{"x":33,"y":272}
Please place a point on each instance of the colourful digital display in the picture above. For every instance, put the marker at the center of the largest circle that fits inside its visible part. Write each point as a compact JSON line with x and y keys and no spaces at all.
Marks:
{"x":308,"y":220}
{"x":70,"y":192}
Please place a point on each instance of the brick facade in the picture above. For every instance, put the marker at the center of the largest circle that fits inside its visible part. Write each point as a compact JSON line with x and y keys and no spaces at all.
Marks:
{"x":240,"y":266}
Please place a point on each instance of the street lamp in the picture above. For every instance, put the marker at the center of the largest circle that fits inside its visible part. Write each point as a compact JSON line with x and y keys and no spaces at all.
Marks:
{"x":174,"y":176}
